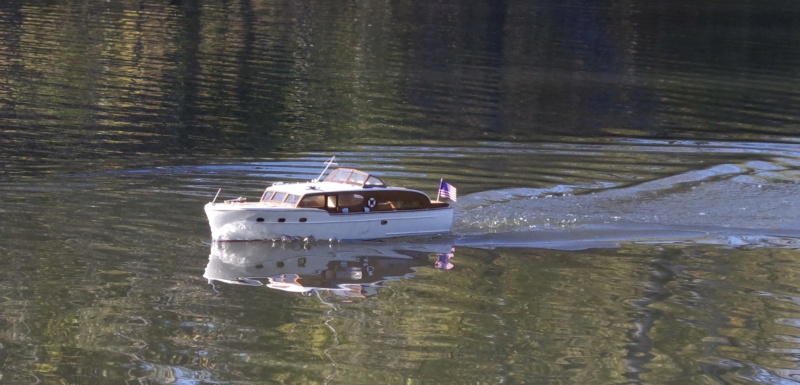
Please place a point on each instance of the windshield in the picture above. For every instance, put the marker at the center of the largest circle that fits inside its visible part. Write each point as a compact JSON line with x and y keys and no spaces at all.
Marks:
{"x":355,"y":177}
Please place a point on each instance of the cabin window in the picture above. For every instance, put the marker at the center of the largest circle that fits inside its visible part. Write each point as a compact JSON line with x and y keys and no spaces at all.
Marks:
{"x":358,"y":178}
{"x":385,"y":206}
{"x":278,"y":197}
{"x":331,"y":202}
{"x":408,"y":205}
{"x":267,"y":196}
{"x":339,"y":176}
{"x":374,"y":182}
{"x":398,"y":200}
{"x":292,"y":199}
{"x":315,"y":201}
{"x":348,"y":200}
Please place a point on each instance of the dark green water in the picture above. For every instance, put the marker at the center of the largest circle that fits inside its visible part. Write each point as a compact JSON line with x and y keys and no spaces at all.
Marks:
{"x":627,"y":176}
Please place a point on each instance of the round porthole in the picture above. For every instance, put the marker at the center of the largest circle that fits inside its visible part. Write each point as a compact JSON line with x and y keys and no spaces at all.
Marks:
{"x":303,"y":220}
{"x":281,"y":220}
{"x":384,"y":222}
{"x":259,"y":219}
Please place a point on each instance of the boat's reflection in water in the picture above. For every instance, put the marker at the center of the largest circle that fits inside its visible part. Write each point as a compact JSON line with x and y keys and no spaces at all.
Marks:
{"x":346,"y":269}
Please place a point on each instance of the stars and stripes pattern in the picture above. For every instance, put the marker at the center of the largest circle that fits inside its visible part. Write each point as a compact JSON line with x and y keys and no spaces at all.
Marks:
{"x":446,"y":190}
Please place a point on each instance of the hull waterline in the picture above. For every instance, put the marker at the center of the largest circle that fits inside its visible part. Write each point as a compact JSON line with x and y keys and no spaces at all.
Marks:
{"x":248,"y":223}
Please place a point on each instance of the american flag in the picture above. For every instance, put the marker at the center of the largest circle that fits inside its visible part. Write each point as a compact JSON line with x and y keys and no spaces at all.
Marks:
{"x":446,"y":190}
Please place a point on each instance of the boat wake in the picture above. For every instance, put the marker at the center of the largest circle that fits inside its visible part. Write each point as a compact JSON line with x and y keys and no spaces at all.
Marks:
{"x":739,"y":205}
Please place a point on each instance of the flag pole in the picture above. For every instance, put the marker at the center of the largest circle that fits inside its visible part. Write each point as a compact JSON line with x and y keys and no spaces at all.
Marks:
{"x":439,"y":190}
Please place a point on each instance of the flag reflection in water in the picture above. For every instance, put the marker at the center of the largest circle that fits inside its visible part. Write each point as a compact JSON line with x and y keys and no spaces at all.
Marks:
{"x":443,"y":260}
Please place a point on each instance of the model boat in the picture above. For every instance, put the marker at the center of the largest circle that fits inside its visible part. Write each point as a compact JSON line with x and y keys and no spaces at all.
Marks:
{"x":348,"y":204}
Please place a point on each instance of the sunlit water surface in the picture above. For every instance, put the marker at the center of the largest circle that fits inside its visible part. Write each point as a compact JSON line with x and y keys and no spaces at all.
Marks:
{"x":683,"y":271}
{"x":627,"y":186}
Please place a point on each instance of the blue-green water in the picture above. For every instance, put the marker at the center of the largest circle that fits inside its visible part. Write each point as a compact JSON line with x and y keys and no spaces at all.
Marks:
{"x":627,"y":177}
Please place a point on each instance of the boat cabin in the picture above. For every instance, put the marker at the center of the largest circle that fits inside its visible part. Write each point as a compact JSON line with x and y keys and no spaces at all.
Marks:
{"x":366,"y":201}
{"x":348,"y":190}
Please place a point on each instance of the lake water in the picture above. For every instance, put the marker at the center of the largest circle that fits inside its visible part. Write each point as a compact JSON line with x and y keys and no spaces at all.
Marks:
{"x":627,"y":176}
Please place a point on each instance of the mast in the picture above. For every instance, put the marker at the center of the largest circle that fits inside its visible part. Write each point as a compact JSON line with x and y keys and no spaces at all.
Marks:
{"x":328,"y":163}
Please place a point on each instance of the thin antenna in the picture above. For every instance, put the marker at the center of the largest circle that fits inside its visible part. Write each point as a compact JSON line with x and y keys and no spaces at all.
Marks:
{"x":215,"y":196}
{"x":328,"y":163}
{"x":439,"y":190}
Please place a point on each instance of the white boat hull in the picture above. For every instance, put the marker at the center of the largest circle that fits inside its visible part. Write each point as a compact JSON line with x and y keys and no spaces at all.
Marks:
{"x":254,"y":221}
